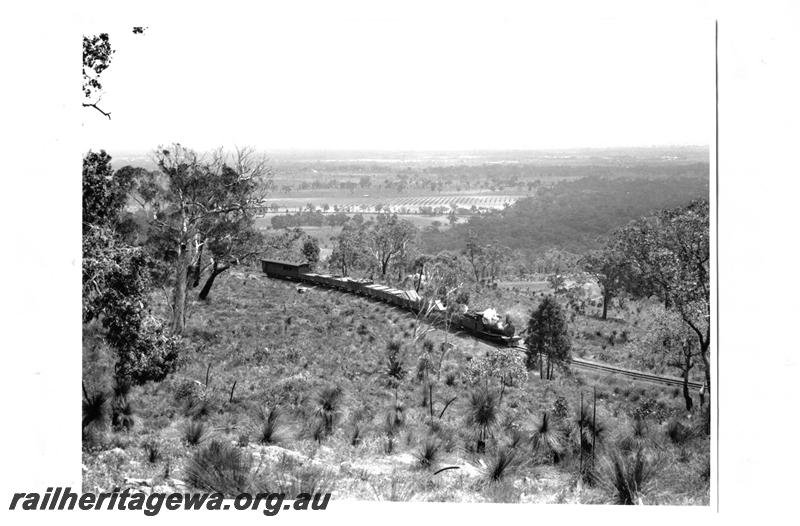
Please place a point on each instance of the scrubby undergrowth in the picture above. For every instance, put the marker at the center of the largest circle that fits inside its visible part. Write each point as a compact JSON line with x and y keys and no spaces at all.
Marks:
{"x":281,"y":389}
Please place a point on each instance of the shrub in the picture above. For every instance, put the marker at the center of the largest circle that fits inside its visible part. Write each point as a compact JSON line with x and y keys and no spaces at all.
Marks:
{"x":219,"y":467}
{"x":318,"y":432}
{"x":292,"y":477}
{"x":94,"y":408}
{"x":152,"y":451}
{"x":194,"y":432}
{"x":122,"y":415}
{"x":547,"y":438}
{"x":395,"y":368}
{"x":638,"y":438}
{"x":187,"y":390}
{"x":394,"y":420}
{"x":628,"y":476}
{"x":516,"y":438}
{"x":501,"y":464}
{"x":328,"y":401}
{"x":355,"y":435}
{"x":397,"y":490}
{"x":269,"y":431}
{"x":560,"y":407}
{"x":705,"y":468}
{"x":591,"y":430}
{"x":678,"y":433}
{"x":482,"y":413}
{"x":199,"y":408}
{"x":429,"y":453}
{"x":424,"y":367}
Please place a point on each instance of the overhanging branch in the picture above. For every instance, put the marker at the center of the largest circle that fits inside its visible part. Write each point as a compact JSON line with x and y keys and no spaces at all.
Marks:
{"x":95,"y":106}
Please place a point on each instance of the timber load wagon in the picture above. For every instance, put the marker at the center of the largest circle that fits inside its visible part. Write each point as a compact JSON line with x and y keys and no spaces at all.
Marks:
{"x":484,"y":325}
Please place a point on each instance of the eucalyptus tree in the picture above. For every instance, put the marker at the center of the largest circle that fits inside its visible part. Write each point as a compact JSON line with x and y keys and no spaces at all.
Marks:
{"x":672,"y":342}
{"x":669,"y":257}
{"x":610,"y":267}
{"x":97,"y":54}
{"x":191,"y":200}
{"x":118,"y":278}
{"x":388,"y":239}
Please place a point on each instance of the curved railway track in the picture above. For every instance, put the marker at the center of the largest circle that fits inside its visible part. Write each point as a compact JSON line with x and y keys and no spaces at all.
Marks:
{"x":636,"y":375}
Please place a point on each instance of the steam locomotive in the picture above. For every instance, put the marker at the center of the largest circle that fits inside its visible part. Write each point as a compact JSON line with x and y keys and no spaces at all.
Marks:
{"x":484,"y":325}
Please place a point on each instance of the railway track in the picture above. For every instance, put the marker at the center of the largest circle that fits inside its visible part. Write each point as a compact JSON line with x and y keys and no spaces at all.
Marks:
{"x":636,"y":375}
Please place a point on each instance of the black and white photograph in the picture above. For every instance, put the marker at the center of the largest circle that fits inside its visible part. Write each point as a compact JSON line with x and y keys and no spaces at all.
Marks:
{"x":375,"y":253}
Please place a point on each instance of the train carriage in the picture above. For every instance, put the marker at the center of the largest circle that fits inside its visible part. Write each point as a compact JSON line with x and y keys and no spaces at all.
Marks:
{"x":374,"y":291}
{"x":312,"y":278}
{"x":393,"y":296}
{"x":359,"y":284}
{"x":368,"y":291}
{"x":284,"y":269}
{"x":472,"y":322}
{"x":327,"y":280}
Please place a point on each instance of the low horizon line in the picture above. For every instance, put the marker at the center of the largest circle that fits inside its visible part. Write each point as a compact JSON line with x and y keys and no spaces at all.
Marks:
{"x":440,"y":150}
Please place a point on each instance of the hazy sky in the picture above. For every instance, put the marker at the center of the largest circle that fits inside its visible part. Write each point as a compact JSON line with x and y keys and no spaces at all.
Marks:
{"x":337,"y":78}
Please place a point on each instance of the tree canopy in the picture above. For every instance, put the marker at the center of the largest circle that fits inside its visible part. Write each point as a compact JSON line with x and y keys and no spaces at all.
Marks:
{"x":195,"y":203}
{"x":97,"y":54}
{"x":669,"y":258}
{"x":548,"y":336}
{"x":117,"y":279}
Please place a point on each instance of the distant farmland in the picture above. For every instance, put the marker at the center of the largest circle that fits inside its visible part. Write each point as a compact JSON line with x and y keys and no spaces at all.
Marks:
{"x":401,"y":205}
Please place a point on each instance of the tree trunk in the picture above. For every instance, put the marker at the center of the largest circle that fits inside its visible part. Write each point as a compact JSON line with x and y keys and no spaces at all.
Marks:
{"x":430,"y":398}
{"x":687,"y":395}
{"x":606,"y":297}
{"x":179,"y":294}
{"x":706,"y":366}
{"x":215,"y":271}
{"x":580,"y":436}
{"x":196,"y":268}
{"x":594,"y":420}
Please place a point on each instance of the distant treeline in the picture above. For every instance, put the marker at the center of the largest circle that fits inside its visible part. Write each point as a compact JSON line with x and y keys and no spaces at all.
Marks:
{"x":495,"y":177}
{"x":308,"y":218}
{"x":571,"y":215}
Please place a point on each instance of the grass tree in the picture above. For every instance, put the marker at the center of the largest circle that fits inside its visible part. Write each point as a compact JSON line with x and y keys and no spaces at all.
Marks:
{"x":628,"y":476}
{"x":328,"y":402}
{"x":395,"y":366}
{"x":483,"y":413}
{"x":94,"y":408}
{"x":270,"y":425}
{"x":428,"y":454}
{"x":501,"y":464}
{"x":548,"y":438}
